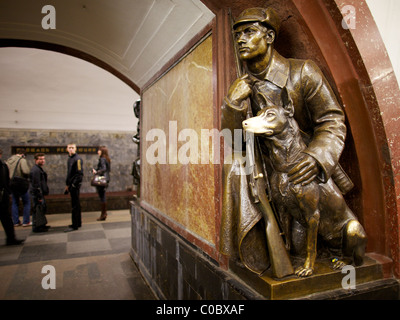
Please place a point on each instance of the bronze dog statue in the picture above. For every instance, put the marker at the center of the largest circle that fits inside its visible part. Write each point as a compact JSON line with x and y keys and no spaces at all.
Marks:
{"x":319,"y":207}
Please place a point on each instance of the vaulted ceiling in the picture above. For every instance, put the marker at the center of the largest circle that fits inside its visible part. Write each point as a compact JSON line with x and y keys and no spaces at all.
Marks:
{"x":135,"y":37}
{"x":132,"y":39}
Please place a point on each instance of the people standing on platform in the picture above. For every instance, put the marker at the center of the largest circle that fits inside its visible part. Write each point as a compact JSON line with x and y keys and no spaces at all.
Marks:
{"x":18,"y":166}
{"x":103,"y":169}
{"x":73,"y":185}
{"x":5,"y":216}
{"x":39,"y":190}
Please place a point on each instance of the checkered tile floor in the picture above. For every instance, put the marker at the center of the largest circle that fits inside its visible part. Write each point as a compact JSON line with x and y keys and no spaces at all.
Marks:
{"x":92,"y":262}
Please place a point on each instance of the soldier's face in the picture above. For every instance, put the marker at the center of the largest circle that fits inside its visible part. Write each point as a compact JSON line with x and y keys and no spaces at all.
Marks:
{"x":251,"y":41}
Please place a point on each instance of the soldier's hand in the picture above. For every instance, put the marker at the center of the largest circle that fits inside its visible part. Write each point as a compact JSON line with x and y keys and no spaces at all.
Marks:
{"x":240,"y":90}
{"x":305,"y":171}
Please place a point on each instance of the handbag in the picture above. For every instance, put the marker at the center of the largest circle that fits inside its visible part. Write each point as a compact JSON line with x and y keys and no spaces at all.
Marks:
{"x":99,"y":181}
{"x":18,"y":185}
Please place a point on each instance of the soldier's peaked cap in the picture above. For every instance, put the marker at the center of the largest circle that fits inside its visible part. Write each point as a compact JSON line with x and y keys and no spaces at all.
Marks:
{"x":267,"y":16}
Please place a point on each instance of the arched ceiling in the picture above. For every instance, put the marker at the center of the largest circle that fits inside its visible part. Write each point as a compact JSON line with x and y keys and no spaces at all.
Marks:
{"x":136,"y":38}
{"x":46,"y":90}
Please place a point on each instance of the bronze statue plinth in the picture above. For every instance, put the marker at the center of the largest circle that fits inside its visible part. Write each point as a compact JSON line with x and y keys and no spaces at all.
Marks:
{"x":325,"y":283}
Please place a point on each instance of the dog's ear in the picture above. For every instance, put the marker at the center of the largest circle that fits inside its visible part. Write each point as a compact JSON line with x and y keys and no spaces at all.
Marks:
{"x":287,"y":102}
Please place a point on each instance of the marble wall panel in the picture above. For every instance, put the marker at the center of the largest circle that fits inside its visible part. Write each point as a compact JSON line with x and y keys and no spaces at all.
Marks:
{"x":175,"y":110}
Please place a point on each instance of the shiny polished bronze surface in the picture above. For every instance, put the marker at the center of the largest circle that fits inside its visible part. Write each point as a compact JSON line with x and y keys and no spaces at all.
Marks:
{"x":325,"y":279}
{"x":301,"y":160}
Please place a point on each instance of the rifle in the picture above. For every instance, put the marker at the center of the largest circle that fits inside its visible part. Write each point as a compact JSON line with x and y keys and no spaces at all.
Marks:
{"x":258,"y":182}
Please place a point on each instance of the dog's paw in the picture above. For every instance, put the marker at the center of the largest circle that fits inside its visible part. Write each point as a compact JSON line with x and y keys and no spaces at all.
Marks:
{"x":337,"y":264}
{"x":304,"y":272}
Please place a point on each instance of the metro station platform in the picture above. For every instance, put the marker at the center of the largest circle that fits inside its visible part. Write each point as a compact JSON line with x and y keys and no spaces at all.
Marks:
{"x":91,"y":263}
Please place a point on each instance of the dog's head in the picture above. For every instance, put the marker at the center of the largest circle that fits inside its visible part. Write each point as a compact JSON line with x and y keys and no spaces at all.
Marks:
{"x":274,"y":116}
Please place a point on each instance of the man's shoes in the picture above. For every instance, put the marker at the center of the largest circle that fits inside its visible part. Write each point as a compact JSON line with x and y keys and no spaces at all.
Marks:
{"x":14,"y":242}
{"x":18,"y":224}
{"x":70,"y":228}
{"x":27,"y":224}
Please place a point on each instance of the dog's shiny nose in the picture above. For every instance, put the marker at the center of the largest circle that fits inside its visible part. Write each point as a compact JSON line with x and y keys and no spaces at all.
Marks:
{"x":245,"y":124}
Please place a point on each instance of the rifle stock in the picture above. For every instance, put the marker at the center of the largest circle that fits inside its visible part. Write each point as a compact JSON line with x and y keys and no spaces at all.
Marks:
{"x":280,"y":261}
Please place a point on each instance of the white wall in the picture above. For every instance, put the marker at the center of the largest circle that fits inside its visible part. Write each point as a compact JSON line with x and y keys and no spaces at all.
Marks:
{"x":42,"y":89}
{"x":386,"y":14}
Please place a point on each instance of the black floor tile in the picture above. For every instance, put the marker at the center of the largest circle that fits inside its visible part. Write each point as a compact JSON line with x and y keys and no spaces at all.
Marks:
{"x":42,"y":252}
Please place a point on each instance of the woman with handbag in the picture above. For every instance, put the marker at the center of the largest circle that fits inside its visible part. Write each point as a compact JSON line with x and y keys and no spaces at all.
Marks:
{"x":102,"y":172}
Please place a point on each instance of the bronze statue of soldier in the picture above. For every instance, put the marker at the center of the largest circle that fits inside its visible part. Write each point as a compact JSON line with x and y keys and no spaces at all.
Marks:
{"x":321,"y":121}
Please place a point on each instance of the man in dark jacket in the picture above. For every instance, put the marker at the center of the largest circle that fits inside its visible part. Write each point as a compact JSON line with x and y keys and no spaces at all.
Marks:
{"x":5,"y":215}
{"x":73,"y":185}
{"x":39,"y":189}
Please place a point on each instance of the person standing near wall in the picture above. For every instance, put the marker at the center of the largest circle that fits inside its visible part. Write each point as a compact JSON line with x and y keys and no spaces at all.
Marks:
{"x":103,"y":169}
{"x":18,"y":166}
{"x":73,"y":185}
{"x":5,"y":216}
{"x":39,"y":190}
